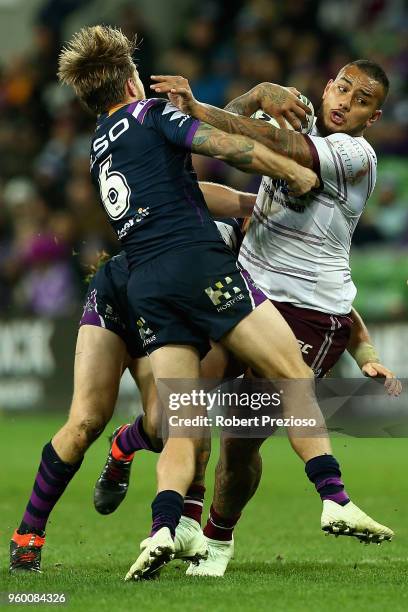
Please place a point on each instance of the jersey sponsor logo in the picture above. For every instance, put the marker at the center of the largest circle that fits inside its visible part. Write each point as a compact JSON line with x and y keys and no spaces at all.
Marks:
{"x":222,"y":295}
{"x":101,"y":144}
{"x":278,"y":191}
{"x":146,"y":334}
{"x":280,"y":185}
{"x":139,"y":216}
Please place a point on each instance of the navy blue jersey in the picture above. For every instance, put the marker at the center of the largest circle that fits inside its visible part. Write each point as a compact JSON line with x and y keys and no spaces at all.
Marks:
{"x":141,"y":164}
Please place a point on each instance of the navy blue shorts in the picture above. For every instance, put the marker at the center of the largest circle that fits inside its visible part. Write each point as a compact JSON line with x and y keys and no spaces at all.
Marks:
{"x":189,"y":295}
{"x":106,"y":304}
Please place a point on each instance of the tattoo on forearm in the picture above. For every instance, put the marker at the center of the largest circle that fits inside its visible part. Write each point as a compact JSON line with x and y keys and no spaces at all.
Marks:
{"x":286,"y":142}
{"x":235,"y":149}
{"x":246,"y":104}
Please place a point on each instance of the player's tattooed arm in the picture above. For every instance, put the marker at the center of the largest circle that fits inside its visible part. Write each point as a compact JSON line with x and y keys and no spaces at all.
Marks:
{"x":283,"y":141}
{"x":223,"y":201}
{"x":245,"y":105}
{"x":268,"y":96}
{"x":250,"y":156}
{"x":279,"y":102}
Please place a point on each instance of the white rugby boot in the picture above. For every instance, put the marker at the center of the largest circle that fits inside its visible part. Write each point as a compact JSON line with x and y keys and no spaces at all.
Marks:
{"x":219,"y":555}
{"x":190,"y":543}
{"x":157,"y":551}
{"x":349,"y":520}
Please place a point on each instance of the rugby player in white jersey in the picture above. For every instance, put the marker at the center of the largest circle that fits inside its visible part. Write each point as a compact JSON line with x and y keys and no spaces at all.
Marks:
{"x":297,"y":249}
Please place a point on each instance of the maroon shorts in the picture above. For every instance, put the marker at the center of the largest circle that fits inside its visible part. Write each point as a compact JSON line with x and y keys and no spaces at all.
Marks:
{"x":322,"y":337}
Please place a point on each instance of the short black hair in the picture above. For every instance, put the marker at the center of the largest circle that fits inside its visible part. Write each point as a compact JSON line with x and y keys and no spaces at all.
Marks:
{"x":375,"y":71}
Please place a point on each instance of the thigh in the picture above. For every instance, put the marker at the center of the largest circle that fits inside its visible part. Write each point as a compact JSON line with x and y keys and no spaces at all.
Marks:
{"x":266,"y":343}
{"x":176,"y":371}
{"x":100,"y":359}
{"x":220,"y":363}
{"x":175,"y":361}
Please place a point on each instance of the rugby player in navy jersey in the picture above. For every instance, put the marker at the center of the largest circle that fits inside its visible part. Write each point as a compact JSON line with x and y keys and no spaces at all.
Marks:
{"x":185,"y":285}
{"x":107,"y":344}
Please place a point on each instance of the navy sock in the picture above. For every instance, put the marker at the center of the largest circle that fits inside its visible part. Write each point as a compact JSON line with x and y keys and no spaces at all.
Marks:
{"x":167,"y":508}
{"x":324,"y":472}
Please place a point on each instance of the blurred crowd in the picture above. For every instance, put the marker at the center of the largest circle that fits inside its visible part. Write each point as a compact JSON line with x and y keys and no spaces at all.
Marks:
{"x":51,"y":225}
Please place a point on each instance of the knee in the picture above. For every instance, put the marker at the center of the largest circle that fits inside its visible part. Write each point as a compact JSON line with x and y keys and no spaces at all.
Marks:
{"x":300,"y":370}
{"x":86,"y":429}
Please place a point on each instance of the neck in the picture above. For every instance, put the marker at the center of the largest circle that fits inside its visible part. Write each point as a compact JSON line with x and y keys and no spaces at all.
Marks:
{"x":130,"y":99}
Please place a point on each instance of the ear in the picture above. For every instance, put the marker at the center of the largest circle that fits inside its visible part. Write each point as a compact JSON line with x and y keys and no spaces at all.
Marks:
{"x":326,"y":89}
{"x":131,"y":88}
{"x":376,"y":116}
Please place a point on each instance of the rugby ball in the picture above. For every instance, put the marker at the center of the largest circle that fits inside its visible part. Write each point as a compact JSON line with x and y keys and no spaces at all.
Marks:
{"x":260,"y":114}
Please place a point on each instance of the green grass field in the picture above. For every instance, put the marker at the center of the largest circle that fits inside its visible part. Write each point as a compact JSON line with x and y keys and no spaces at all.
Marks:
{"x":283,"y":561}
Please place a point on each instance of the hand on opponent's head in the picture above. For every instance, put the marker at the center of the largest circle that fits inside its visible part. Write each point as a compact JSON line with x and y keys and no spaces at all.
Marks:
{"x":177,"y":89}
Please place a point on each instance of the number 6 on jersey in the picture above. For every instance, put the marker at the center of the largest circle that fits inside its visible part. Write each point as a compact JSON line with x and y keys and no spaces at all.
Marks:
{"x":115,"y":192}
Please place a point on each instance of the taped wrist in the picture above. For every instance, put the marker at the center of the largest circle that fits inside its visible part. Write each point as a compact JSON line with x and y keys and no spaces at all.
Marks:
{"x":365,"y":353}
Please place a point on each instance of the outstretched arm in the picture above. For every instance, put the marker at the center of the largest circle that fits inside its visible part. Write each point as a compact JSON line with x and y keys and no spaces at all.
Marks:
{"x":265,"y":96}
{"x":224,"y":202}
{"x":250,"y":156}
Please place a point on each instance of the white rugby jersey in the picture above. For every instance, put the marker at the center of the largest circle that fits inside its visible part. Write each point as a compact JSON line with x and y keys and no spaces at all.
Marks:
{"x":297,"y":249}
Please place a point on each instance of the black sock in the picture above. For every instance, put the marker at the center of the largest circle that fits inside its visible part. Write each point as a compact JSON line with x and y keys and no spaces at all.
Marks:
{"x":324,"y":472}
{"x":167,"y":508}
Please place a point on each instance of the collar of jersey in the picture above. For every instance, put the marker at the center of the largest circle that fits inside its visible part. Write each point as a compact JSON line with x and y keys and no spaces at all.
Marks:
{"x":115,"y":108}
{"x":110,"y":112}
